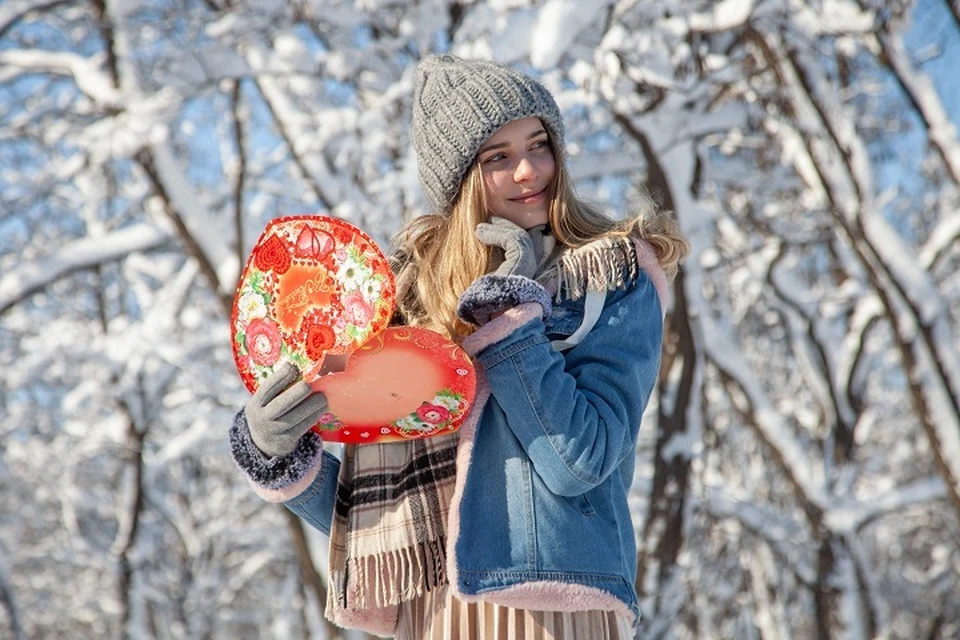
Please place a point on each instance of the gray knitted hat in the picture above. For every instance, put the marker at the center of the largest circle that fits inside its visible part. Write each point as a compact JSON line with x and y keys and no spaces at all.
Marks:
{"x":457,"y":105}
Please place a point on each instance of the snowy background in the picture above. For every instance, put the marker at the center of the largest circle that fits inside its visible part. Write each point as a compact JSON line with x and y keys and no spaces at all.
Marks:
{"x":799,"y":472}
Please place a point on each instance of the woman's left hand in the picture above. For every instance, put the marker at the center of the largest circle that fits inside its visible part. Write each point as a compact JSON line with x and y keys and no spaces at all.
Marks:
{"x":519,"y":248}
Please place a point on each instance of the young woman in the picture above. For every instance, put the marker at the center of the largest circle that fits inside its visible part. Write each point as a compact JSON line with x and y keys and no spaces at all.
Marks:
{"x":517,"y":526}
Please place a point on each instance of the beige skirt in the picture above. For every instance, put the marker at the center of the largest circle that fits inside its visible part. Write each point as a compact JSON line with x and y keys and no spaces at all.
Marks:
{"x":440,"y":616}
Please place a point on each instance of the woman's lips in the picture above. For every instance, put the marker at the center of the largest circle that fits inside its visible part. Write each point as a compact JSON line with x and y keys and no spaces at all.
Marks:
{"x":530,"y":198}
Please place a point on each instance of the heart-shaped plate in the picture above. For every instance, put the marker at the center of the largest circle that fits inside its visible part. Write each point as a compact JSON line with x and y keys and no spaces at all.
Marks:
{"x":312,"y":286}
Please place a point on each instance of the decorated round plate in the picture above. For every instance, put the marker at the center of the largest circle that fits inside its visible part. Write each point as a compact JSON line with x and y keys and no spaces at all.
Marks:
{"x":312,"y":286}
{"x":404,"y":383}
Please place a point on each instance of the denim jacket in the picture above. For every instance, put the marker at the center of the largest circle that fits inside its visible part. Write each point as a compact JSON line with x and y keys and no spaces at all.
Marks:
{"x":540,"y":517}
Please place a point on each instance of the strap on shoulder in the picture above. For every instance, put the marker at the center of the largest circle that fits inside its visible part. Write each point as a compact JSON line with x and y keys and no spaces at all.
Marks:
{"x":592,"y":308}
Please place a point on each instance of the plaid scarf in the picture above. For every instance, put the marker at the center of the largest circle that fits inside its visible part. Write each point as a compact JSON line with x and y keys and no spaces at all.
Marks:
{"x":388,"y":538}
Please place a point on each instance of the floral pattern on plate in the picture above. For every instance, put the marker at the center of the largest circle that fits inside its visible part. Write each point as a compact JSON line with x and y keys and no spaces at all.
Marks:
{"x":312,"y":286}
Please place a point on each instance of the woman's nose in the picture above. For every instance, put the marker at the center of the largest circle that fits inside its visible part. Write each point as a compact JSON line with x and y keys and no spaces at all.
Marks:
{"x":525,"y":171}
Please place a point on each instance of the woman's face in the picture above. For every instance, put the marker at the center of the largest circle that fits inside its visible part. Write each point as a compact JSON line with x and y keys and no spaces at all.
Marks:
{"x":518,"y":167}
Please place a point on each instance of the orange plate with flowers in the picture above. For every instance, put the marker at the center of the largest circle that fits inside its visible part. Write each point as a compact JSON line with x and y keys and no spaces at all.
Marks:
{"x":312,"y":286}
{"x":318,"y":292}
{"x":402,"y":384}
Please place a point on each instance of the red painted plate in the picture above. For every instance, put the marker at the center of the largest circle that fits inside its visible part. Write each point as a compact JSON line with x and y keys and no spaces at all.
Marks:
{"x":402,"y":384}
{"x":312,"y":286}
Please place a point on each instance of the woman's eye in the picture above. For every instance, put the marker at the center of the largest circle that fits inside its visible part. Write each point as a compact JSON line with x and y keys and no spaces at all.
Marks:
{"x":497,"y":157}
{"x":540,"y":144}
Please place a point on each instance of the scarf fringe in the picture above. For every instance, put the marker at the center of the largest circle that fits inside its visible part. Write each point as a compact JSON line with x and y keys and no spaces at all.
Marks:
{"x":387,"y":579}
{"x":602,"y":265}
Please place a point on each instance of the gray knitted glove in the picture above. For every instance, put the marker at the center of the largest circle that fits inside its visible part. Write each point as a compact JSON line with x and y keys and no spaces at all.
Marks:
{"x":282,"y":410}
{"x":520,"y":246}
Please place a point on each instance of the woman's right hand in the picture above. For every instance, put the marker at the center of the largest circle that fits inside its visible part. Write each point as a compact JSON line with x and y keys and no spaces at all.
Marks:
{"x":283,"y":408}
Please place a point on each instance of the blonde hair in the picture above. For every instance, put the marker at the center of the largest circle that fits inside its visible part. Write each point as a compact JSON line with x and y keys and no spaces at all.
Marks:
{"x":575,"y":223}
{"x":436,"y":257}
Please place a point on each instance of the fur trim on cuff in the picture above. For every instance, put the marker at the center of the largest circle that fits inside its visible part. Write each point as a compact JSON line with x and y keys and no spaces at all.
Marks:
{"x":493,"y":293}
{"x":275,"y":478}
{"x":285,"y":494}
{"x":501,"y":327}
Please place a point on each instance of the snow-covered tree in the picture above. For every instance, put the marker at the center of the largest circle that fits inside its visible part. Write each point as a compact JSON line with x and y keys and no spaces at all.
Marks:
{"x":799,"y":471}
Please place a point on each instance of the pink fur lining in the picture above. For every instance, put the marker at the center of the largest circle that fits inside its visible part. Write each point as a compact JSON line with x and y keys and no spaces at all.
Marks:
{"x":551,"y":595}
{"x":501,"y":327}
{"x":291,"y":491}
{"x":468,"y":433}
{"x":381,"y":622}
{"x":647,"y":260}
